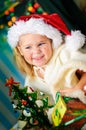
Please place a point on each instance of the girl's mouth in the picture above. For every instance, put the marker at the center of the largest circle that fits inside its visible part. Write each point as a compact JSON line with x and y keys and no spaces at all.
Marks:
{"x":38,"y":58}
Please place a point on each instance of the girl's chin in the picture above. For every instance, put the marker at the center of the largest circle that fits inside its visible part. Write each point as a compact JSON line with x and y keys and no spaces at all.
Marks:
{"x":39,"y":64}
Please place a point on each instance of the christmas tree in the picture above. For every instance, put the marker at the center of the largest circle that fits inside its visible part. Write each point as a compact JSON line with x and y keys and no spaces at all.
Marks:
{"x":33,"y":106}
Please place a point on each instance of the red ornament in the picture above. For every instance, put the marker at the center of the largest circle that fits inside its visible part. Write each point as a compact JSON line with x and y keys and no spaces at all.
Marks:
{"x":36,"y":5}
{"x":24,"y":102}
{"x":11,"y":9}
{"x":30,"y":98}
{"x":6,"y":12}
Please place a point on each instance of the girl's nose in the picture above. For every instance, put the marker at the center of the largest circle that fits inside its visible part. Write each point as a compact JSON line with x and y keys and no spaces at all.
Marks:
{"x":36,"y":50}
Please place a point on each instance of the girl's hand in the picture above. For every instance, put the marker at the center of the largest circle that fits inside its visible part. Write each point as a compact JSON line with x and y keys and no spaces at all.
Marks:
{"x":67,"y":91}
{"x":84,"y":89}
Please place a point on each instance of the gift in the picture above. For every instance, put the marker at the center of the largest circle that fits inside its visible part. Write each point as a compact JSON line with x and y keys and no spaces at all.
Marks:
{"x":71,"y":113}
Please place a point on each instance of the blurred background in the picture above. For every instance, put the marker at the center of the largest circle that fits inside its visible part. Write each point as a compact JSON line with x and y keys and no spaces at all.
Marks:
{"x":73,"y":12}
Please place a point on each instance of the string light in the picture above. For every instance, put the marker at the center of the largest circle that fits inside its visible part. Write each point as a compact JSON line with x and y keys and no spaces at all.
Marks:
{"x":34,"y":7}
{"x":9,"y":23}
{"x":13,"y":19}
{"x":9,"y":15}
{"x":6,"y":12}
{"x":31,"y":9}
{"x":1,"y":26}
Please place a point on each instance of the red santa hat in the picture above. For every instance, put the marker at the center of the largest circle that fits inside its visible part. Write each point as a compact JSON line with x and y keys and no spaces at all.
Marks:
{"x":51,"y":26}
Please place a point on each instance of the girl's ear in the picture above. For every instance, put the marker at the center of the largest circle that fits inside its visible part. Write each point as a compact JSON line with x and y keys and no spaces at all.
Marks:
{"x":20,"y":50}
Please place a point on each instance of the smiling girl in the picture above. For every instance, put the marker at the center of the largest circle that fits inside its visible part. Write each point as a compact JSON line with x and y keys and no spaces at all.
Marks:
{"x":49,"y":55}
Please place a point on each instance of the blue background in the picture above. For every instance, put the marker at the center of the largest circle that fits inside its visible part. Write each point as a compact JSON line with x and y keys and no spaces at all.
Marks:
{"x":8,"y":117}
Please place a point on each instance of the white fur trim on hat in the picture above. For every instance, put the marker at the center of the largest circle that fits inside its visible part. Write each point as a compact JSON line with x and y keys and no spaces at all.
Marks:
{"x":75,"y":41}
{"x":34,"y":26}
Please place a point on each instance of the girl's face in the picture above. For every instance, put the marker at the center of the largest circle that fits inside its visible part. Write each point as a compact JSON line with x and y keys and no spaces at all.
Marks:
{"x":36,"y":49}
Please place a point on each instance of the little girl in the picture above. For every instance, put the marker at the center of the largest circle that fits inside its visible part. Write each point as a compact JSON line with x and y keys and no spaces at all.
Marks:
{"x":49,"y":55}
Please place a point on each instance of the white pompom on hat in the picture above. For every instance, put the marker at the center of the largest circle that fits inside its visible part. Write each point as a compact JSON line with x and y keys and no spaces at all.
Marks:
{"x":75,"y":41}
{"x":51,"y":26}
